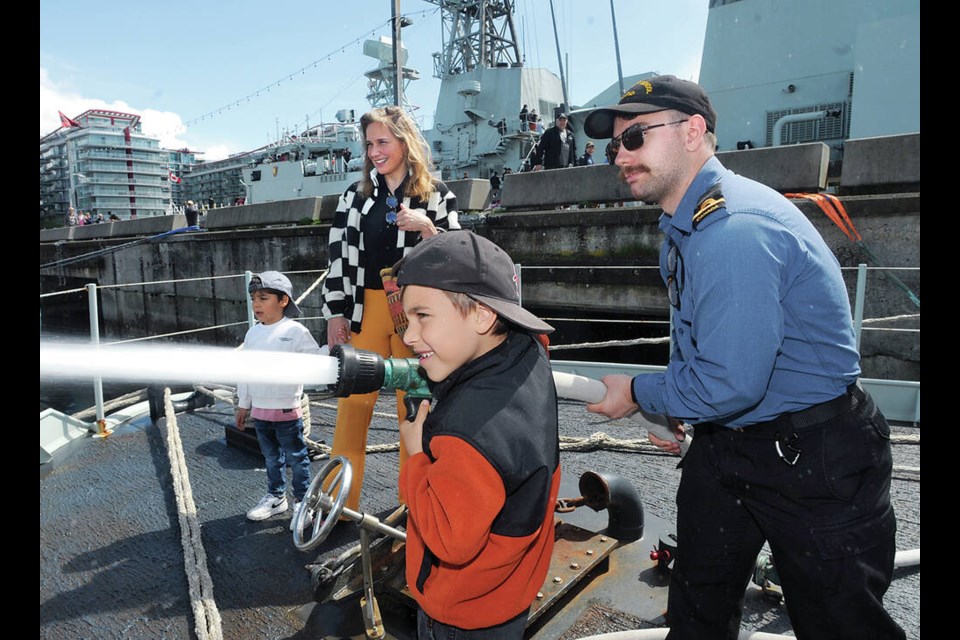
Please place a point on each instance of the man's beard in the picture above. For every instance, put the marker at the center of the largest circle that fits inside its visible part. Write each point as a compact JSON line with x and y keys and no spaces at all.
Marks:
{"x":647,"y":190}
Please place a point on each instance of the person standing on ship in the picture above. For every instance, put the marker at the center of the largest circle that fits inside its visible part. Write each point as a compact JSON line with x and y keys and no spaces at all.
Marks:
{"x":788,"y":448}
{"x":556,"y":149}
{"x":379,"y":219}
{"x":276,"y":408}
{"x":192,"y":214}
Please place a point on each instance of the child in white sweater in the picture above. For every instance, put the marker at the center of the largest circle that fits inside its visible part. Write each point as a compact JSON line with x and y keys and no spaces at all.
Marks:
{"x":275,"y":408}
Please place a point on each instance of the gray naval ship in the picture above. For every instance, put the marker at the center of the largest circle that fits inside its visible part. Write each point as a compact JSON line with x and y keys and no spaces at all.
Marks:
{"x":477,"y":127}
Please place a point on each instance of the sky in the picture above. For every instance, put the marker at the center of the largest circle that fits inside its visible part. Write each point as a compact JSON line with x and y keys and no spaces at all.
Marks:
{"x":221,"y":77}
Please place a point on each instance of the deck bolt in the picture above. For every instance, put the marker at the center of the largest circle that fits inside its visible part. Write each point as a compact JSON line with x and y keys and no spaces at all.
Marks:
{"x":589,"y":552}
{"x":557,"y":579}
{"x":574,"y":565}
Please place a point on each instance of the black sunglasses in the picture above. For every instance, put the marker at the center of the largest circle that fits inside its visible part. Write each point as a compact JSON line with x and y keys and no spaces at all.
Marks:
{"x":392,"y":202}
{"x":674,"y":281}
{"x":632,"y":136}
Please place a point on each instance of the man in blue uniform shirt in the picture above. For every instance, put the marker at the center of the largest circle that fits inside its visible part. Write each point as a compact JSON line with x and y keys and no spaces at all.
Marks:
{"x":788,"y":448}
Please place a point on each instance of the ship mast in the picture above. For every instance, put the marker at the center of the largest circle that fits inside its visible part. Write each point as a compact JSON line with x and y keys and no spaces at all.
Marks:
{"x":476,"y":33}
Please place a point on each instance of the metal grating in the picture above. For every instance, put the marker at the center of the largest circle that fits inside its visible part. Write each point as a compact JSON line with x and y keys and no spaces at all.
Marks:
{"x":835,"y":126}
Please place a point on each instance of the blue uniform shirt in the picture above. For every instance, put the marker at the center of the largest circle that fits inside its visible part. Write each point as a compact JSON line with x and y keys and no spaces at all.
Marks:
{"x":764,"y":324}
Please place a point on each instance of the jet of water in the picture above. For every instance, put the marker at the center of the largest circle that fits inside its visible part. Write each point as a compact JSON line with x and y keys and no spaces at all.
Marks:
{"x":184,"y":364}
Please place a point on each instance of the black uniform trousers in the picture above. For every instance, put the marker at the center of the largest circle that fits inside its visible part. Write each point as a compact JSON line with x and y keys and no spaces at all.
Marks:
{"x":827,"y":517}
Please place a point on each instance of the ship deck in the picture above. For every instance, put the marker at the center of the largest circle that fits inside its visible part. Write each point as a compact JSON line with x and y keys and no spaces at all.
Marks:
{"x":112,"y":558}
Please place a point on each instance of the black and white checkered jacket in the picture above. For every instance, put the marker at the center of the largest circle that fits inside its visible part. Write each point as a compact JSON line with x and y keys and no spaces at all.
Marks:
{"x":343,"y":287}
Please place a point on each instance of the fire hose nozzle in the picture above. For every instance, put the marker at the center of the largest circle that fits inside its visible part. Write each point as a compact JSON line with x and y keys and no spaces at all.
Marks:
{"x":357,"y":371}
{"x":365,"y":371}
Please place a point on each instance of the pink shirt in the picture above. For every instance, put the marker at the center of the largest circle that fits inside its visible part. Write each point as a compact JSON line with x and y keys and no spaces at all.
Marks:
{"x":276,"y":415}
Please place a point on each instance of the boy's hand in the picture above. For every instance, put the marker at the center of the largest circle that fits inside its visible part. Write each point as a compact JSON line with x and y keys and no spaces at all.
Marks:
{"x":411,"y":433}
{"x":241,"y":418}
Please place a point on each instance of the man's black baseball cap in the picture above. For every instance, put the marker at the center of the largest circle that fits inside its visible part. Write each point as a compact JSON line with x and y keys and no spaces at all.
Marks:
{"x":649,"y":96}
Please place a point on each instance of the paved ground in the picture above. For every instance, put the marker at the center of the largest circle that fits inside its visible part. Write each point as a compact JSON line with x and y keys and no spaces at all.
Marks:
{"x":111,"y":558}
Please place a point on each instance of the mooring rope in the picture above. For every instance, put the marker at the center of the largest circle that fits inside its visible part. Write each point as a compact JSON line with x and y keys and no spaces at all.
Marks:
{"x":609,"y":343}
{"x":207,"y":621}
{"x":122,"y":402}
{"x":316,"y":283}
{"x":594,"y":442}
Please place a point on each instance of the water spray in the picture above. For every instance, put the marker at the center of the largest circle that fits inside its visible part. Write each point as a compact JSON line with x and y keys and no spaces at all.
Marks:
{"x":165,"y":363}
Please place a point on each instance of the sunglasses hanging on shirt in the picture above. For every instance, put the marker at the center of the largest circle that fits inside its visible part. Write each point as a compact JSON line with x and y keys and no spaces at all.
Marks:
{"x":393,"y":203}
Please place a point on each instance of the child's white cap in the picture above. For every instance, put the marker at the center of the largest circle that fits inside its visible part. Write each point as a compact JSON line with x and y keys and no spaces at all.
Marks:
{"x":277,"y":282}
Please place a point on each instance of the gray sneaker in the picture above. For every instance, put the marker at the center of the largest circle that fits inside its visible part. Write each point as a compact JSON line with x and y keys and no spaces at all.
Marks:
{"x":307,"y":517}
{"x":269,"y":505}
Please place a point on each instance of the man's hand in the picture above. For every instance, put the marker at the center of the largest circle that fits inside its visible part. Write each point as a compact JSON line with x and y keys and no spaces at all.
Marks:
{"x":670,"y":446}
{"x":241,"y":418}
{"x":411,"y":433}
{"x":618,"y":401}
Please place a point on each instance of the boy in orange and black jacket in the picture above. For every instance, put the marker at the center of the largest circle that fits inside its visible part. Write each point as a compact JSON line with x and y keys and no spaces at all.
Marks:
{"x":484,"y":468}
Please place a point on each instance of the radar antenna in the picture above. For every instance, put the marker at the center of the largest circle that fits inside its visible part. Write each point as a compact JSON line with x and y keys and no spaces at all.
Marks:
{"x":476,"y":33}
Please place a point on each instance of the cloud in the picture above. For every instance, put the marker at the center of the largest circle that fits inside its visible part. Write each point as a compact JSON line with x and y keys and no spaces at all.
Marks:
{"x":167,"y":126}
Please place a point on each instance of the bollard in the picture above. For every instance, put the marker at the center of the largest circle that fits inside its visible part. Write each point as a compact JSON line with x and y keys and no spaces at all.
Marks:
{"x":155,"y":400}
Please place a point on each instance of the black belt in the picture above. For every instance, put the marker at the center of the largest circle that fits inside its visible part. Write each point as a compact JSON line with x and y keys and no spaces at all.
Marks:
{"x":784,"y":429}
{"x":823,"y":412}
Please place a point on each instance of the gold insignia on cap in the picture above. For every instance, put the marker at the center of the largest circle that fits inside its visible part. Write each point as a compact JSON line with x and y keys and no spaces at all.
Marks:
{"x":629,"y":93}
{"x":709,"y":202}
{"x":646,"y":85}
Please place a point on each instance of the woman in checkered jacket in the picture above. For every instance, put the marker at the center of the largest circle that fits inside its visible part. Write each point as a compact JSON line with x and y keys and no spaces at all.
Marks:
{"x":397,"y":204}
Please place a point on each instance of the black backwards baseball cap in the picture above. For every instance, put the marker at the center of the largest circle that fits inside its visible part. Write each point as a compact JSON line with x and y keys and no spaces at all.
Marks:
{"x":649,"y":96}
{"x":463,"y":262}
{"x":276,"y":281}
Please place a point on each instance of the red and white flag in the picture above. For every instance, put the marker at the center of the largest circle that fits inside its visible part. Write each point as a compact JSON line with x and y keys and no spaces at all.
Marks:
{"x":66,"y":122}
{"x":174,"y":178}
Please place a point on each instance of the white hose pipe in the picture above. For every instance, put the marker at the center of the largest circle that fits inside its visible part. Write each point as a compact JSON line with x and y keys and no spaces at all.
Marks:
{"x":660,"y":634}
{"x":588,"y":390}
{"x":908,"y":558}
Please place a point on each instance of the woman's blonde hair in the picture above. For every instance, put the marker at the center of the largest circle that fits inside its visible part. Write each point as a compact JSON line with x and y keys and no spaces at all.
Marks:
{"x":416,"y":152}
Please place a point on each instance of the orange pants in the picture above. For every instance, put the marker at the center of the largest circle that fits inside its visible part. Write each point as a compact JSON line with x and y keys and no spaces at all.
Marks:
{"x":354,"y":413}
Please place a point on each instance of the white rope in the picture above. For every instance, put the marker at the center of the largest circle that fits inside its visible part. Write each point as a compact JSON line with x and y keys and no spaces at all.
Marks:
{"x":320,"y":278}
{"x":599,"y":440}
{"x":907,"y":316}
{"x":122,"y":402}
{"x":609,"y":343}
{"x":206,"y":615}
{"x":177,"y":333}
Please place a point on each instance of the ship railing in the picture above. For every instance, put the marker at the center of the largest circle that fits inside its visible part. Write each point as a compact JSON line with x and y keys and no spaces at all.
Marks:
{"x":899,"y":399}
